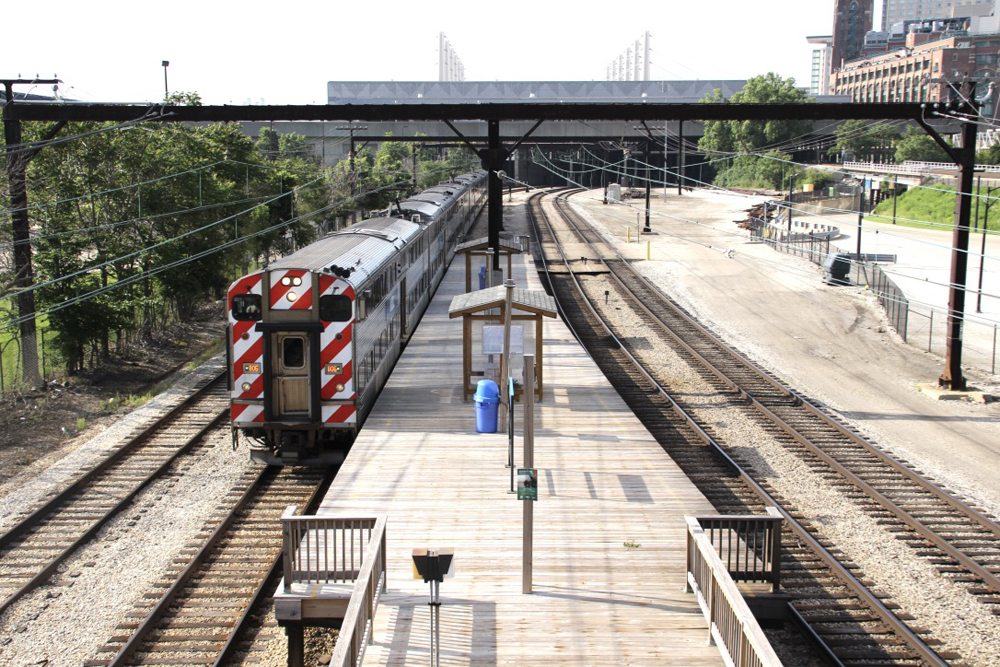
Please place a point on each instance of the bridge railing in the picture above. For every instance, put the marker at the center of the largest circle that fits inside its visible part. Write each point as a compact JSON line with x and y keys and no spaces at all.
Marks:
{"x":720,"y":551}
{"x":915,"y":167}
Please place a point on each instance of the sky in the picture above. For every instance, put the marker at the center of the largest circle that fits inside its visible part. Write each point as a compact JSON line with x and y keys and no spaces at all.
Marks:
{"x":284,"y":53}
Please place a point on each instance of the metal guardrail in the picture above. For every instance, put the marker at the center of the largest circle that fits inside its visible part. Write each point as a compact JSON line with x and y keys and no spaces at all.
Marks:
{"x":914,"y":167}
{"x":751,"y":547}
{"x":333,"y":550}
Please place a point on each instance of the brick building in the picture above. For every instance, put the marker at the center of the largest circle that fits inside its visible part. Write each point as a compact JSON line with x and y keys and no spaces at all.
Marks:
{"x":919,"y":72}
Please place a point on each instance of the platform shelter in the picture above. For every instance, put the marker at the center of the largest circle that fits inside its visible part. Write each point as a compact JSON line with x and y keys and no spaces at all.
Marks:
{"x":488,"y":305}
{"x":481,"y":248}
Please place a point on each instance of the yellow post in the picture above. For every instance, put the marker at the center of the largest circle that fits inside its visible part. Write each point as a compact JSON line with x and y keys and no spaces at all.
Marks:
{"x":628,"y":235}
{"x":647,"y":251}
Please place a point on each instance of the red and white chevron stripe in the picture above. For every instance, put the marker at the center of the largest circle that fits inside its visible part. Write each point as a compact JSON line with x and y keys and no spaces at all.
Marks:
{"x":248,"y":344}
{"x":340,"y":414}
{"x":336,"y":355}
{"x":291,"y":297}
{"x":246,"y":414}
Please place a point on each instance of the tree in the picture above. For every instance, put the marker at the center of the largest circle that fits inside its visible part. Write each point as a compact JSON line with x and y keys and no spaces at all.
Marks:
{"x":749,"y":137}
{"x":866,"y":142}
{"x":917,"y":145}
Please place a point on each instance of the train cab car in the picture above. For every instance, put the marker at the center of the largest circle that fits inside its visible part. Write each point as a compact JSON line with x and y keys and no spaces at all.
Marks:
{"x":311,"y":340}
{"x":313,"y":337}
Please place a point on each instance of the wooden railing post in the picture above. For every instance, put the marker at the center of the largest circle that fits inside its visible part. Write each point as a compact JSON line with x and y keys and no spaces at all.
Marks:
{"x":288,"y":544}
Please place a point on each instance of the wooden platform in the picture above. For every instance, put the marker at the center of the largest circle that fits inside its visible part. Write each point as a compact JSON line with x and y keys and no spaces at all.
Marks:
{"x":603,"y":482}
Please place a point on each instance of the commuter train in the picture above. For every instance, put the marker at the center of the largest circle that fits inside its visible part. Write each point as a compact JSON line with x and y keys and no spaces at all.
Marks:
{"x":313,"y":337}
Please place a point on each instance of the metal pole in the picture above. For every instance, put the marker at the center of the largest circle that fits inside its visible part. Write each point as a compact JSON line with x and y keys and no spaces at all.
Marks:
{"x":861,"y":215}
{"x":791,"y":200}
{"x":527,"y":553}
{"x":982,"y":252}
{"x":507,"y":315}
{"x":680,"y":157}
{"x":952,"y":377}
{"x":895,"y":196}
{"x":664,"y":160}
{"x":648,"y":186}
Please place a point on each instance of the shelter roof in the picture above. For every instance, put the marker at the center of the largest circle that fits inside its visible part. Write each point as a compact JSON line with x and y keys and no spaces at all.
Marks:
{"x":484,"y":244}
{"x":532,"y":301}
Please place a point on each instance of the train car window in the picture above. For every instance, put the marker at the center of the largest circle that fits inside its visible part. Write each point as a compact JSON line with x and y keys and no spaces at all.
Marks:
{"x":246,"y":307}
{"x":293,"y":352}
{"x":335,"y":308}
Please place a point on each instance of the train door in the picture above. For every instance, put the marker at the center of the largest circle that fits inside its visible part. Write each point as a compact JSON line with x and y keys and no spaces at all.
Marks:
{"x":290,"y":370}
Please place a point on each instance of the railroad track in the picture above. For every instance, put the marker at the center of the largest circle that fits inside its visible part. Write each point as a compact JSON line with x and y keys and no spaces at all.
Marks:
{"x":32,"y":550}
{"x":829,"y":598}
{"x":210,"y":608}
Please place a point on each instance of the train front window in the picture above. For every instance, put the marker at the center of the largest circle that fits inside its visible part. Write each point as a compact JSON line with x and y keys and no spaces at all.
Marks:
{"x":246,"y":307}
{"x":335,"y":308}
{"x":293,"y":352}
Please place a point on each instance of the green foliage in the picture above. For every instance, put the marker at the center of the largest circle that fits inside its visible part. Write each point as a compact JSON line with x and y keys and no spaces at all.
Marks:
{"x":134,"y":226}
{"x":81,"y":424}
{"x":916,"y":144}
{"x":935,"y":206}
{"x":817,"y":177}
{"x":865,"y":142}
{"x":752,"y":135}
{"x":756,"y":171}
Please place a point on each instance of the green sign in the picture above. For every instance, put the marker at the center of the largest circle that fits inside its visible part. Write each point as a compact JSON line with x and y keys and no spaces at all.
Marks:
{"x":527,"y":484}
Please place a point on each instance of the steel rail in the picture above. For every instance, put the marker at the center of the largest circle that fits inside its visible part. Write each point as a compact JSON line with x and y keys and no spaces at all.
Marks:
{"x":39,"y":515}
{"x":850,"y":581}
{"x":957,"y":504}
{"x":230,"y":648}
{"x":966,"y":561}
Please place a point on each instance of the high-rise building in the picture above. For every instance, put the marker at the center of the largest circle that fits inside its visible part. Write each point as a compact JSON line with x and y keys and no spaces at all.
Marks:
{"x":851,"y":20}
{"x":820,"y":84}
{"x":894,"y":11}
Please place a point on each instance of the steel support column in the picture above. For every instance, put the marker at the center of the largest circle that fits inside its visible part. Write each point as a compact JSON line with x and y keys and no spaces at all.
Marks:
{"x":952,"y":377}
{"x":493,"y":163}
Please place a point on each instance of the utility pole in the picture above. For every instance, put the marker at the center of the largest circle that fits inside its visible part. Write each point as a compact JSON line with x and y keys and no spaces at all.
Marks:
{"x":350,"y":128}
{"x":952,"y":377}
{"x":680,"y":157}
{"x":17,"y":167}
{"x":861,"y":215}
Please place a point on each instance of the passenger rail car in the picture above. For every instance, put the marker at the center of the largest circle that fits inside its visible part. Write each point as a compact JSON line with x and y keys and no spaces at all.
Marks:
{"x":313,"y":337}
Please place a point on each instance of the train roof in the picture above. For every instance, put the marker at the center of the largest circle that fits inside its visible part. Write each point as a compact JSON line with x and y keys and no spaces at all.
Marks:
{"x":361,"y":248}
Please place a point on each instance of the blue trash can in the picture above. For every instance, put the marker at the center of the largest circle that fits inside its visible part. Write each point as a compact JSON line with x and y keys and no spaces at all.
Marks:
{"x":482,"y":277}
{"x":487,"y":400}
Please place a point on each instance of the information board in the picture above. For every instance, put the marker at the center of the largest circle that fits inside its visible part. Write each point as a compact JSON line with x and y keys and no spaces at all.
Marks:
{"x":493,"y":339}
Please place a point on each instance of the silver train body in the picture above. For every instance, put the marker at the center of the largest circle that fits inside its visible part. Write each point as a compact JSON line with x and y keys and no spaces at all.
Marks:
{"x":313,"y":337}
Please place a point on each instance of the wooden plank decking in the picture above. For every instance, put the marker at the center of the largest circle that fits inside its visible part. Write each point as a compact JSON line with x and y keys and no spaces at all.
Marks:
{"x":603,"y":481}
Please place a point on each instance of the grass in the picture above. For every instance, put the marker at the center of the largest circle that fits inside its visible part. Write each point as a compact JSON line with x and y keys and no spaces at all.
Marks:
{"x":81,"y":424}
{"x":930,"y":209}
{"x":218,"y":345}
{"x":130,"y":402}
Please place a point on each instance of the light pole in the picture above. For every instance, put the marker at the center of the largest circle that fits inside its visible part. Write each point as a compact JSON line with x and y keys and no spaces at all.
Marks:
{"x":982,"y":255}
{"x":166,"y":89}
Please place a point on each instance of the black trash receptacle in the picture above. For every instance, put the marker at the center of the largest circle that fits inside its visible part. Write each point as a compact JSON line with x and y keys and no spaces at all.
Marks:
{"x":836,"y":268}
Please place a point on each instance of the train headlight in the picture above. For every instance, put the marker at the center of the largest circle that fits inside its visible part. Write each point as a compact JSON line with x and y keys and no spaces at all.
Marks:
{"x":340,"y":387}
{"x":246,"y":386}
{"x":292,"y":296}
{"x":296,"y":281}
{"x":286,"y":281}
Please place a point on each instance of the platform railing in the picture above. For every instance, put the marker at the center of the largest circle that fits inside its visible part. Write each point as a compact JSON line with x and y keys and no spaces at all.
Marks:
{"x":323,"y":550}
{"x":720,"y":551}
{"x":356,"y":631}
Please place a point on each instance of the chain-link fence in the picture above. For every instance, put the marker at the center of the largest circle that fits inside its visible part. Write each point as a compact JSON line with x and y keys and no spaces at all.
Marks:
{"x":51,"y":363}
{"x":919,"y":325}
